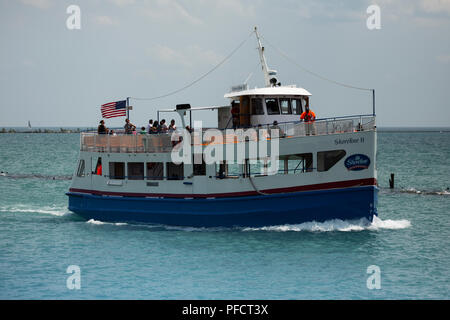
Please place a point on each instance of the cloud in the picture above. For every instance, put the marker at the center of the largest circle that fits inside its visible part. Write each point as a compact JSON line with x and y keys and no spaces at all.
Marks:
{"x":41,"y":4}
{"x":436,"y":6}
{"x":169,"y":11}
{"x":189,"y":57}
{"x":104,"y":21}
{"x":445,"y":58}
{"x":122,"y":3}
{"x":424,"y":13}
{"x":235,"y":6}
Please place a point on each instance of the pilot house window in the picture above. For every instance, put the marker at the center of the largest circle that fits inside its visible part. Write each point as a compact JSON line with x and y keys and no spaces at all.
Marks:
{"x":257,"y":106}
{"x":296,"y":106}
{"x":272,"y":106}
{"x":285,"y":106}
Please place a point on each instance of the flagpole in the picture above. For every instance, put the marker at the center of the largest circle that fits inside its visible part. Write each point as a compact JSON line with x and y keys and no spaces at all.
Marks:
{"x":128,"y":110}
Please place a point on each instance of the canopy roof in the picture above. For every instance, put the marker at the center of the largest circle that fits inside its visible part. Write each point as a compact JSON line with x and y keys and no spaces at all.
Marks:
{"x":270,"y":91}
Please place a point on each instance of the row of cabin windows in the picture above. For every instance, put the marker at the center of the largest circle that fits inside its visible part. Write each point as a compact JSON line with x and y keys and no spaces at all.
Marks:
{"x":153,"y":171}
{"x":286,"y":164}
{"x":277,"y":106}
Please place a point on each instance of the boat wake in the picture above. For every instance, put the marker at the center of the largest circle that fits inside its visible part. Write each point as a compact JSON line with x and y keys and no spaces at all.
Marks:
{"x":55,"y":211}
{"x":99,"y":223}
{"x":445,"y":192}
{"x":34,"y":176}
{"x":327,"y":226}
{"x":411,"y":190}
{"x":339,"y":225}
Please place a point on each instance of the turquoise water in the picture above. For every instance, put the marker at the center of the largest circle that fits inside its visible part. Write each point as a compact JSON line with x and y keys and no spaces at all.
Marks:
{"x":40,"y":238}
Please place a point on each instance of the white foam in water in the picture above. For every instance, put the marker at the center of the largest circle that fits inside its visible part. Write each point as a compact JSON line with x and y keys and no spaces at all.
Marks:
{"x":55,"y":211}
{"x":338,"y":225}
{"x":97,"y":222}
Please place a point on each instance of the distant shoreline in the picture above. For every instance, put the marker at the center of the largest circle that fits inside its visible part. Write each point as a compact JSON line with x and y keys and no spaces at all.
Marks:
{"x":83,"y":129}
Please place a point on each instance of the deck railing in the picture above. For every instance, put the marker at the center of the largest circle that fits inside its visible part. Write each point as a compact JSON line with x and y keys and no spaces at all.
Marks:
{"x":162,"y":143}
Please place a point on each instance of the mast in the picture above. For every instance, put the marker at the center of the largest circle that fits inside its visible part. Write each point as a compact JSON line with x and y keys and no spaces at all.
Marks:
{"x":267,"y":73}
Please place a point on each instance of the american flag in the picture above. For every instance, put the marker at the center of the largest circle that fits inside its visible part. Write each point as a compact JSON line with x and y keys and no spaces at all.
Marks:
{"x":114,"y":109}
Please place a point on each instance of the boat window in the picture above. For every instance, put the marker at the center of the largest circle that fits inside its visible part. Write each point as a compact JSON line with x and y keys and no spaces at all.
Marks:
{"x":155,"y":171}
{"x":272,"y":106}
{"x":297,"y":163}
{"x":296,"y":106}
{"x":227,"y":170}
{"x":285,"y":106}
{"x":327,"y":159}
{"x":199,"y":168}
{"x":80,"y":170}
{"x":98,"y":167}
{"x":135,"y":170}
{"x":117,"y":170}
{"x":257,"y":106}
{"x":175,"y":171}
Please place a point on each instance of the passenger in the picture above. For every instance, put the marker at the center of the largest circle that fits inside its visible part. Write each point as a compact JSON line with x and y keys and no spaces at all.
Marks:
{"x":275,"y":126}
{"x":111,"y":132}
{"x":102,"y":129}
{"x":155,"y":128}
{"x":143,"y":131}
{"x":162,"y":126}
{"x":129,"y":127}
{"x":149,"y":126}
{"x":262,"y":132}
{"x":172,"y":126}
{"x":188,"y":129}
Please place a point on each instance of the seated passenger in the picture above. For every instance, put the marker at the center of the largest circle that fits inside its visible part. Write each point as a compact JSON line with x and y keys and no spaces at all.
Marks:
{"x":143,"y":131}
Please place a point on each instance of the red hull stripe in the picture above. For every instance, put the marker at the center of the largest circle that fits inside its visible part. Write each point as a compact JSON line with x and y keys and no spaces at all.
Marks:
{"x":312,"y":187}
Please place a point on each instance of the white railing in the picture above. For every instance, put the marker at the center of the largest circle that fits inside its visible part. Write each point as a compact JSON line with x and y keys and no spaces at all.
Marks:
{"x":161,"y":143}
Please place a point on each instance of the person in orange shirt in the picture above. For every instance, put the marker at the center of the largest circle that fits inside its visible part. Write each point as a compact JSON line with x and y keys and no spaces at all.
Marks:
{"x":309,"y":117}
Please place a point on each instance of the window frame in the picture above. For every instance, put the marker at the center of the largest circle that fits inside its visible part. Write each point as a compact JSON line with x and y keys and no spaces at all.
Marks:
{"x":267,"y":106}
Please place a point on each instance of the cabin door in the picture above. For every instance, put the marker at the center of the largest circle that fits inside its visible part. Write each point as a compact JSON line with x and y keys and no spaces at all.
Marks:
{"x":97,"y":171}
{"x":244,"y":112}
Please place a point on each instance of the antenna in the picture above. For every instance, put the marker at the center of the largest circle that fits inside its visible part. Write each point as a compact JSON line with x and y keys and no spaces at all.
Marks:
{"x":267,"y":73}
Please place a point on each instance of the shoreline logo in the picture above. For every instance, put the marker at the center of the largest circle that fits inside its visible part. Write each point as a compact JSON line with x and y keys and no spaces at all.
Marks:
{"x":357,"y":162}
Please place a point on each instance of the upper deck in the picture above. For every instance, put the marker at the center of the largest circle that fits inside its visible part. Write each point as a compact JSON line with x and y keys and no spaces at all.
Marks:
{"x":162,"y":143}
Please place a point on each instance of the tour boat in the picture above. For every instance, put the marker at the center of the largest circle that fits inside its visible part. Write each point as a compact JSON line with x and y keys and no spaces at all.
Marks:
{"x":301,"y":171}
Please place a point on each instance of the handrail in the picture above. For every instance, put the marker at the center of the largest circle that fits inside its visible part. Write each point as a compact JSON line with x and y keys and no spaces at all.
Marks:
{"x":162,"y":142}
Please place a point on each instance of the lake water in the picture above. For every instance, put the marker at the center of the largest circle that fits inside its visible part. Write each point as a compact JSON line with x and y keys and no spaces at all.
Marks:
{"x":408,"y":242}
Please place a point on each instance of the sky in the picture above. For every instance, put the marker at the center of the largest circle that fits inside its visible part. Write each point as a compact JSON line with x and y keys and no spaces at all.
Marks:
{"x":55,"y":76}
